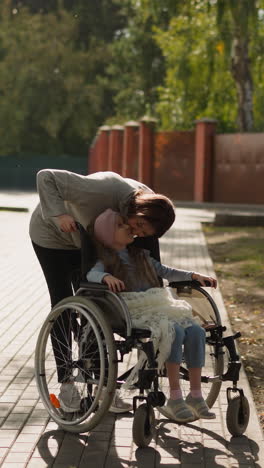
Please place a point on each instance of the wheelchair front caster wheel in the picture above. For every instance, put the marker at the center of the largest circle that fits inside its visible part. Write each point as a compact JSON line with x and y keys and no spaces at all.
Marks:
{"x":143,"y":425}
{"x":237,"y":415}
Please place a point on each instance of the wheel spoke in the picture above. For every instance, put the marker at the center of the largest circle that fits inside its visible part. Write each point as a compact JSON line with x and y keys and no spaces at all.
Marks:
{"x":65,"y":353}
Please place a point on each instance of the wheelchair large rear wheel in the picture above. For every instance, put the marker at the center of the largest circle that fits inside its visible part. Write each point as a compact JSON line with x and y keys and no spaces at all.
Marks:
{"x":82,"y":340}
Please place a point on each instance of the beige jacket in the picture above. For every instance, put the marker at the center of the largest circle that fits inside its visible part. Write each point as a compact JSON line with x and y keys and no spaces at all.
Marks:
{"x":82,"y":197}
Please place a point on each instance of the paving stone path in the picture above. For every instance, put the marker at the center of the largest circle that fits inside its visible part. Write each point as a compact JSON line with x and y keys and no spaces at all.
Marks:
{"x":29,"y":439}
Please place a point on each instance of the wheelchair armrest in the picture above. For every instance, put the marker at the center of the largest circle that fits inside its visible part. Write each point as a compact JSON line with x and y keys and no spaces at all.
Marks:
{"x":191,"y":284}
{"x":94,"y":286}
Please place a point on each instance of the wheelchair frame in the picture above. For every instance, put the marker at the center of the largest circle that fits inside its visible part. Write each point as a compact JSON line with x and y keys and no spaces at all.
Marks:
{"x":90,"y":301}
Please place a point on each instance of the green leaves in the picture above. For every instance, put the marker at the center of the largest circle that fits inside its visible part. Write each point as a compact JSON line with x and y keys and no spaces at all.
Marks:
{"x":53,"y":92}
{"x":69,"y":66}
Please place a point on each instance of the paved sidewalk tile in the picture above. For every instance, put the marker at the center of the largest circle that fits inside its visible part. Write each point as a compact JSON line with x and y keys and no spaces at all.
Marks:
{"x":28,"y":438}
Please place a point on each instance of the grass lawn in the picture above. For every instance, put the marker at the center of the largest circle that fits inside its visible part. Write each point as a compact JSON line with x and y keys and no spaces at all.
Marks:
{"x":238,"y":256}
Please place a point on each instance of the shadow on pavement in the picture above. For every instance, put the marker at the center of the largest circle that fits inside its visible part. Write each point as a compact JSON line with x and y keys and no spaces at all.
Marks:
{"x":69,"y":450}
{"x":241,"y":450}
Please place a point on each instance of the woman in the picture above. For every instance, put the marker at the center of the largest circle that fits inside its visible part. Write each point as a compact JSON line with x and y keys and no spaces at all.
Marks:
{"x":67,"y":198}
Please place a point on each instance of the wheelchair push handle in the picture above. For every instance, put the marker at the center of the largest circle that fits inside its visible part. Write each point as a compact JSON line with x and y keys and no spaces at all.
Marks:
{"x":80,"y":227}
{"x":197,"y":283}
{"x":207,"y":283}
{"x":88,"y":250}
{"x":191,"y":283}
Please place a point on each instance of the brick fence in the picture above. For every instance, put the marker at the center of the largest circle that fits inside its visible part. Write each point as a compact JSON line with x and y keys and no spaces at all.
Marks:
{"x":197,"y":165}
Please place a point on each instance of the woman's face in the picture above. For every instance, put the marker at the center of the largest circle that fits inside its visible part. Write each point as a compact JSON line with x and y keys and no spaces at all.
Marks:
{"x":140,"y":227}
{"x":123,"y":234}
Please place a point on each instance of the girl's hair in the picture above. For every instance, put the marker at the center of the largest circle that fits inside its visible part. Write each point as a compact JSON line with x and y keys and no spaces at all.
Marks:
{"x":114,"y":265}
{"x":157,"y":209}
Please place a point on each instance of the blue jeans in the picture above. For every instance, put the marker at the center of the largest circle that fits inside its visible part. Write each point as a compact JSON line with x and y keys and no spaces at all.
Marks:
{"x":191,"y":340}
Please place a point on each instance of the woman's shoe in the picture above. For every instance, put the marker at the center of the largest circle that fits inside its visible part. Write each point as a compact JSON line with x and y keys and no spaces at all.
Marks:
{"x":178,"y":411}
{"x":69,"y":397}
{"x":118,"y":405}
{"x":199,"y":407}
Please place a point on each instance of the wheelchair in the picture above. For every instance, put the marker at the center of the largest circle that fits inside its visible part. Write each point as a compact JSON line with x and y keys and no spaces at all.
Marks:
{"x":93,"y":332}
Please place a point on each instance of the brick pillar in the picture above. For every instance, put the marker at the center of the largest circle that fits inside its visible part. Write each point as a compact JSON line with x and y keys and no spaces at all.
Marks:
{"x":116,"y":149}
{"x":102,"y":148}
{"x":204,"y":152}
{"x":146,"y":151}
{"x":130,"y":150}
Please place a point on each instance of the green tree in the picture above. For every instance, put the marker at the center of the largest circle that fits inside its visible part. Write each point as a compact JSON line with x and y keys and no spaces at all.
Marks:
{"x":46,"y":100}
{"x":258,"y":70}
{"x":137,"y":68}
{"x":54,"y":91}
{"x":234,"y":30}
{"x":237,"y":23}
{"x":198,"y":82}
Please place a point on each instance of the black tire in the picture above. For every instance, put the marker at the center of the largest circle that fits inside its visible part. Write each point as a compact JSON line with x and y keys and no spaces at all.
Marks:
{"x":237,"y":415}
{"x":143,"y":425}
{"x":90,"y":371}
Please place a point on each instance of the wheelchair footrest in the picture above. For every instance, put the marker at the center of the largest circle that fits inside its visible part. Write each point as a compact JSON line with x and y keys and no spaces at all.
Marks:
{"x":152,"y":399}
{"x":232,"y":372}
{"x":156,"y":399}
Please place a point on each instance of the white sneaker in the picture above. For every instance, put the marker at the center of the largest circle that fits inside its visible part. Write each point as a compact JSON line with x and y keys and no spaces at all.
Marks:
{"x":118,"y":405}
{"x":69,"y":397}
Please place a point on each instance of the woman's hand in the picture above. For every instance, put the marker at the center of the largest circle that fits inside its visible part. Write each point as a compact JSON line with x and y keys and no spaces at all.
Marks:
{"x":113,"y":283}
{"x":203,"y":278}
{"x":66,"y":223}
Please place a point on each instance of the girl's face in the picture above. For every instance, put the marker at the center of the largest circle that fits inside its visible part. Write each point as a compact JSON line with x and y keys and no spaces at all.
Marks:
{"x":123,"y":235}
{"x":140,"y":227}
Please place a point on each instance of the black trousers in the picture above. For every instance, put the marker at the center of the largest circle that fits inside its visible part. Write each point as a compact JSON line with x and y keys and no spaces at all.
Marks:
{"x":62,"y":271}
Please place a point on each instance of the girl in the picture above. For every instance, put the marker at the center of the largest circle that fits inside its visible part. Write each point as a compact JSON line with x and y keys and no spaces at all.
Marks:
{"x":169,"y":319}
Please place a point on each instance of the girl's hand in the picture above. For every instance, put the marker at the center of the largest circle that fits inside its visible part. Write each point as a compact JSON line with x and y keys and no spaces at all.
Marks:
{"x":66,"y":223}
{"x":203,"y":278}
{"x":113,"y":283}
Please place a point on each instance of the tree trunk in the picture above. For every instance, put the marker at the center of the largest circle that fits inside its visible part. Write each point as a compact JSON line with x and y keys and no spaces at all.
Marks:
{"x":240,"y":69}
